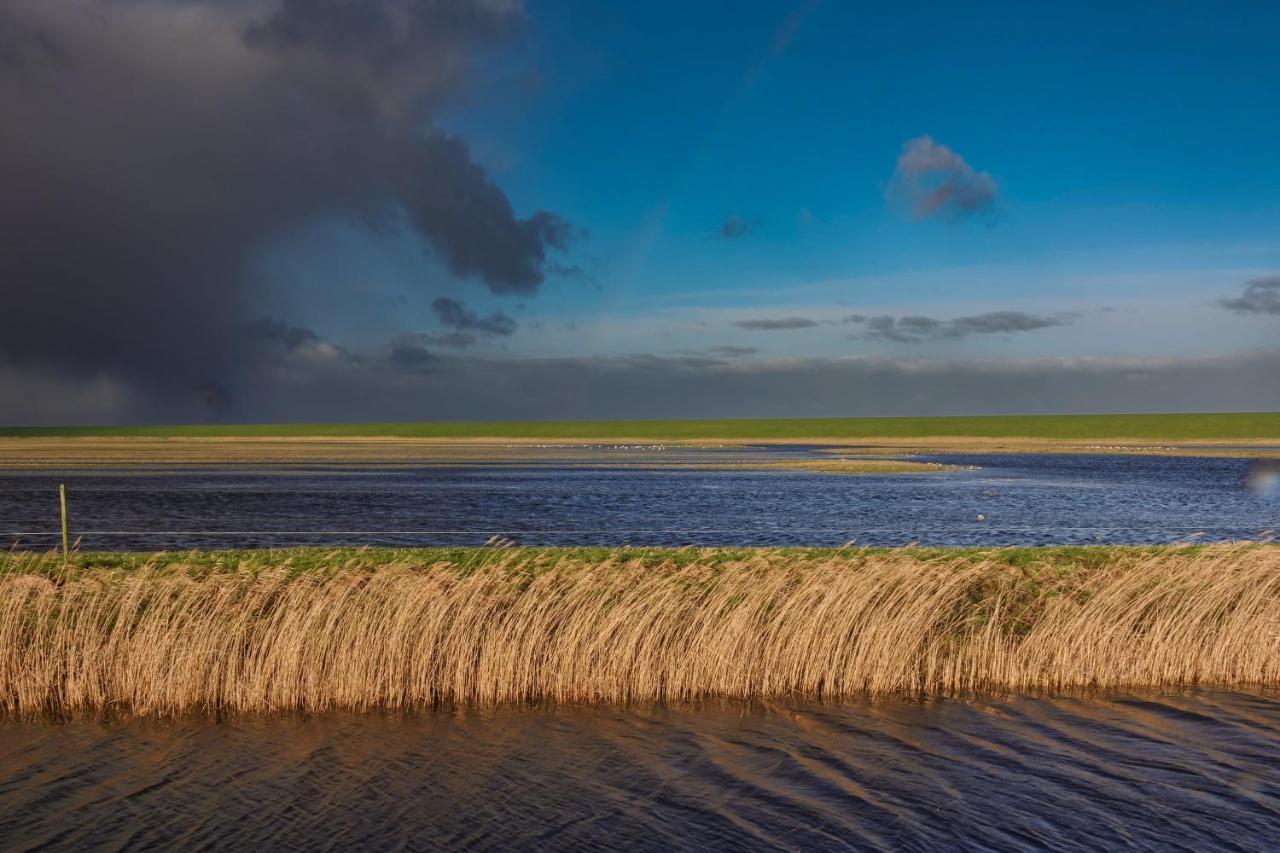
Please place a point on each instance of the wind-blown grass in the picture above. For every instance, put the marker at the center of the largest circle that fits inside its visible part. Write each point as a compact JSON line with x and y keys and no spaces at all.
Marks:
{"x":397,"y":630}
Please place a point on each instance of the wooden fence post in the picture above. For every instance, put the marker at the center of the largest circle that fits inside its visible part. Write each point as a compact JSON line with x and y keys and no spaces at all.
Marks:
{"x":66,"y":544}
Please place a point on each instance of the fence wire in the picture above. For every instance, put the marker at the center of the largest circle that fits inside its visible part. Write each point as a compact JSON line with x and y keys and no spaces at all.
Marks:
{"x":669,"y":531}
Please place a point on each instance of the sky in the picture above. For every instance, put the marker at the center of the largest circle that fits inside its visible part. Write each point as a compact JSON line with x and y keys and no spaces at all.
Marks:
{"x":331,"y":210}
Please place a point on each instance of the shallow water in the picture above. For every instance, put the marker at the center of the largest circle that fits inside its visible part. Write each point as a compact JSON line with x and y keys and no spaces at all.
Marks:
{"x":1022,"y":499}
{"x":1193,"y":771}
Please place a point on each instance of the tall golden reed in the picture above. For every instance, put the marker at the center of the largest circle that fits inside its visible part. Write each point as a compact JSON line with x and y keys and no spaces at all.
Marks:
{"x":363,"y":634}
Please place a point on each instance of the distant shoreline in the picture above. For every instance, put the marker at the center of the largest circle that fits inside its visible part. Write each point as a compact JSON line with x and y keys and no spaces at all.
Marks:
{"x":849,"y":454}
{"x":1127,"y":428}
{"x":64,"y":454}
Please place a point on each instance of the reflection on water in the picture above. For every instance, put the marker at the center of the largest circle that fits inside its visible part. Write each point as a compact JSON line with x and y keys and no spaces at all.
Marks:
{"x":1005,"y":499}
{"x":1197,"y":771}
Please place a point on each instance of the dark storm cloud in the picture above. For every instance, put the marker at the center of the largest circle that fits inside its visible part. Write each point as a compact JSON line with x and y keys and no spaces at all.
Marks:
{"x":275,"y":337}
{"x":380,"y":34}
{"x":455,"y":340}
{"x":770,"y":324}
{"x":469,"y":220}
{"x":932,"y":180}
{"x":409,"y":353}
{"x":1260,"y":296}
{"x":271,"y":330}
{"x":455,"y":315}
{"x":149,"y":151}
{"x":24,"y":42}
{"x":914,"y":329}
{"x":735,"y":226}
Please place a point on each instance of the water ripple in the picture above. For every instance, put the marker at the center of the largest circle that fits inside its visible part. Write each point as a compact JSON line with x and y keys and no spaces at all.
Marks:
{"x":1194,"y":770}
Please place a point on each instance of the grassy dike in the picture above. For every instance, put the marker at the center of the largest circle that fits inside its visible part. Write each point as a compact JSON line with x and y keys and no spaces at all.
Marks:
{"x":1248,"y":426}
{"x":363,"y":630}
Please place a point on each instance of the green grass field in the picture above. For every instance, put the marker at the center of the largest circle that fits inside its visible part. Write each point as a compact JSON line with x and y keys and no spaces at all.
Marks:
{"x":1161,"y":427}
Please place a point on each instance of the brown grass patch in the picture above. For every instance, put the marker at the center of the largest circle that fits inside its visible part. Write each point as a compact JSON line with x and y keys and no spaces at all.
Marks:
{"x":864,"y":466}
{"x":109,"y":451}
{"x":366,"y":632}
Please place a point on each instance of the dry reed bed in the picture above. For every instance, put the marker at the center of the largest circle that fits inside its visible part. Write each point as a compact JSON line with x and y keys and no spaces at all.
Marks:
{"x":521,"y":626}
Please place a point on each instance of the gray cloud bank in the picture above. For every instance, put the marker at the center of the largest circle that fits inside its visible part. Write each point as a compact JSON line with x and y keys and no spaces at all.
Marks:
{"x":149,"y":151}
{"x":732,"y":351}
{"x":915,"y":329}
{"x":772,"y":324}
{"x":412,"y":383}
{"x":672,"y":387}
{"x":1260,"y":296}
{"x":931,"y":180}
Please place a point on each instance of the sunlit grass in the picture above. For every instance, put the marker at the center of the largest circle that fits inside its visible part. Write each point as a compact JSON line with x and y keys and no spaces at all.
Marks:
{"x":315,"y":630}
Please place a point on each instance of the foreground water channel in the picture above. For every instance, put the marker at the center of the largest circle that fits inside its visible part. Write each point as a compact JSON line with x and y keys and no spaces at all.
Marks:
{"x":1189,"y":771}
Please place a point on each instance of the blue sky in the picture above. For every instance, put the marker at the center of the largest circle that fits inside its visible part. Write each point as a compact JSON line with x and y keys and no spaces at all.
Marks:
{"x":1132,"y":146}
{"x":758,"y":184}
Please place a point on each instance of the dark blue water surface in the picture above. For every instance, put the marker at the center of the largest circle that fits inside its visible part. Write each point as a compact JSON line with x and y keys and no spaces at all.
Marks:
{"x":1192,"y":771}
{"x":1004,"y":499}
